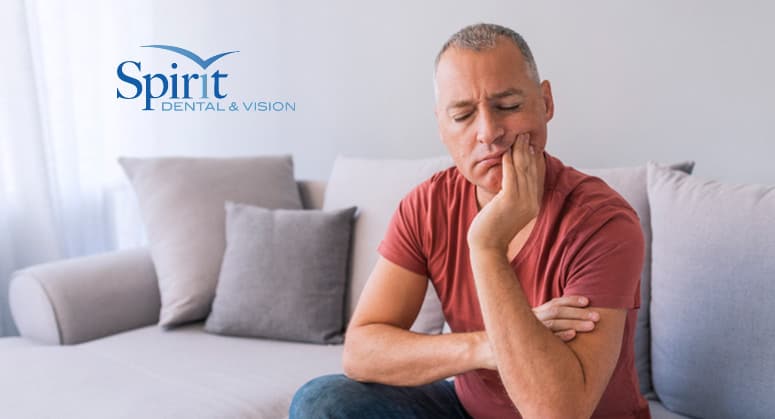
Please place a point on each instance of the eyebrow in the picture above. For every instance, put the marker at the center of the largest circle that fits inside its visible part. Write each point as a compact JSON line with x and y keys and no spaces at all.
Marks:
{"x":506,"y":93}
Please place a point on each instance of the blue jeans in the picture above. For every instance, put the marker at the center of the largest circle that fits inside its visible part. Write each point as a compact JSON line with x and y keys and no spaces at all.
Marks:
{"x":338,"y":396}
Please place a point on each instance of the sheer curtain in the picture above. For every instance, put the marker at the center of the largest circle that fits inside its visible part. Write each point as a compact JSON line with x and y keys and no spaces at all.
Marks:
{"x":52,"y":146}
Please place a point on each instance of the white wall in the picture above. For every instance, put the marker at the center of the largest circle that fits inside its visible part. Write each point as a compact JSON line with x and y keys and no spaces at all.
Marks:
{"x":633,"y":81}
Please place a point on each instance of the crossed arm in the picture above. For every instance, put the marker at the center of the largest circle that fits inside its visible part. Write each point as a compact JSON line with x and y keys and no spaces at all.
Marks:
{"x":547,"y":368}
{"x":380,"y":348}
{"x":543,"y":376}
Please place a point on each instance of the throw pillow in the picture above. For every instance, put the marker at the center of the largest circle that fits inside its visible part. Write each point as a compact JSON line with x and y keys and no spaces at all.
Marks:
{"x":283,"y":274}
{"x":181,"y":201}
{"x":712,"y":337}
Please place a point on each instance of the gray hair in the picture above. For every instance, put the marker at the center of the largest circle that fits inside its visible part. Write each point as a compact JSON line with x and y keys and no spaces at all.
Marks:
{"x":482,"y":36}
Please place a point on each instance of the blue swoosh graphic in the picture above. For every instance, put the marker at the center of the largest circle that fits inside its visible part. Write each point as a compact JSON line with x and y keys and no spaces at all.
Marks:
{"x":188,"y":54}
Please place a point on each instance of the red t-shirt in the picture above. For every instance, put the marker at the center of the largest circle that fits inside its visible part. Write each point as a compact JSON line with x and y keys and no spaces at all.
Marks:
{"x":587,"y":241}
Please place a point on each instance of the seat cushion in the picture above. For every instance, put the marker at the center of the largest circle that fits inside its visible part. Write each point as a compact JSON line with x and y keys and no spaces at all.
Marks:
{"x":12,"y":342}
{"x":659,"y":411}
{"x":153,"y":373}
{"x":711,"y":299}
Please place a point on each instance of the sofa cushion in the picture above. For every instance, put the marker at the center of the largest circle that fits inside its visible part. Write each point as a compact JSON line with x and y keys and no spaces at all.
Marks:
{"x":659,"y":411}
{"x":283,"y":274}
{"x":376,"y":186}
{"x":181,"y":201}
{"x":13,"y":342}
{"x":153,"y":373}
{"x":630,"y":183}
{"x":712,"y":337}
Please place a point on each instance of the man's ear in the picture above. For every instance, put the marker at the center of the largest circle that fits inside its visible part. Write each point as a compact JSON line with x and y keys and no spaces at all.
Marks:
{"x":546,"y":93}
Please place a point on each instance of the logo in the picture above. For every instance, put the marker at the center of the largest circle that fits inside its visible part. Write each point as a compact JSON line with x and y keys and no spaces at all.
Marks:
{"x":186,"y":92}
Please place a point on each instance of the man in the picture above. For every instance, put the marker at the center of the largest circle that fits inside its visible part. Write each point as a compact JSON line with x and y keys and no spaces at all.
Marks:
{"x":507,"y":229}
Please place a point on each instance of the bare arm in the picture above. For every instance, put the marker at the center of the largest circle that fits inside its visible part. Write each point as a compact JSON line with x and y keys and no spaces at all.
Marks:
{"x":379,"y":347}
{"x":543,"y":376}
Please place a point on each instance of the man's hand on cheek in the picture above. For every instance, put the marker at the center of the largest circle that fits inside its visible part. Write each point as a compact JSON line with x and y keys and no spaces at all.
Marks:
{"x":512,"y":208}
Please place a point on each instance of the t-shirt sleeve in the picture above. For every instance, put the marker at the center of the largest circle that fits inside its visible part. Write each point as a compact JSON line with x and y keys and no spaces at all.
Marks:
{"x":403,"y":243}
{"x":607,"y":261}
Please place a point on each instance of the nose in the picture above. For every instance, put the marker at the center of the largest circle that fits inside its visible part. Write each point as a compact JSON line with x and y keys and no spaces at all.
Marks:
{"x":488,"y":130}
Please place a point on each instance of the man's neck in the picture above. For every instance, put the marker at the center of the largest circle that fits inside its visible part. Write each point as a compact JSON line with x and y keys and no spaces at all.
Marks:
{"x":483,"y":197}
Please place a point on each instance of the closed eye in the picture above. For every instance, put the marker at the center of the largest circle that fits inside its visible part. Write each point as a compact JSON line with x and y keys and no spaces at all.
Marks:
{"x":462,"y":117}
{"x":510,"y":107}
{"x":514,"y":107}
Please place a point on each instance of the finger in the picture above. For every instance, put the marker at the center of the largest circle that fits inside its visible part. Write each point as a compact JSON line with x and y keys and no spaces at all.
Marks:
{"x":566,"y":300}
{"x":521,"y":162}
{"x":520,"y":154}
{"x":526,"y":149}
{"x":531,"y":166}
{"x":566,"y":335}
{"x":577,"y":325}
{"x":526,"y":154}
{"x":570,"y":300}
{"x":508,"y":175}
{"x":567,"y":313}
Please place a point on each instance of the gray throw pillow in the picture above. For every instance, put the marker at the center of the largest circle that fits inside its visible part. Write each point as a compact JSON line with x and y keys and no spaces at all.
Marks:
{"x":284,"y":274}
{"x":713,"y":287}
{"x":181,"y":201}
{"x":630,"y":183}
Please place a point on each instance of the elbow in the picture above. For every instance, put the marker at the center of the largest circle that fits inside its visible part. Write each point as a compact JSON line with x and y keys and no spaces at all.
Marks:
{"x":351,"y":367}
{"x":569,"y":409}
{"x":577,"y":410}
{"x":352,"y":373}
{"x":555,"y":413}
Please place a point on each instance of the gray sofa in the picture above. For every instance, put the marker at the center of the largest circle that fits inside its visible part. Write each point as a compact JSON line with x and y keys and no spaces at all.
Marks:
{"x":90,"y":346}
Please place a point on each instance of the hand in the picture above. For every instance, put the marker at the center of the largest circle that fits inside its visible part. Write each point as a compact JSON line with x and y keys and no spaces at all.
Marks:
{"x":562,"y":317}
{"x":512,"y":208}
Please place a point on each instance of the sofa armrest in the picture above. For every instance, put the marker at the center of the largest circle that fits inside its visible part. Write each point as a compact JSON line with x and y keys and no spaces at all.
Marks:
{"x":80,"y":299}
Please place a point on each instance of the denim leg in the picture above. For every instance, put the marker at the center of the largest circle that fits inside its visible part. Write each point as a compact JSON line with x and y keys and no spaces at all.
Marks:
{"x":336,"y":396}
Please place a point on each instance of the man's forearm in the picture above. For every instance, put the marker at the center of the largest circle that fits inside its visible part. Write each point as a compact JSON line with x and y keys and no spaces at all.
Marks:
{"x":387,"y":354}
{"x":541,"y":374}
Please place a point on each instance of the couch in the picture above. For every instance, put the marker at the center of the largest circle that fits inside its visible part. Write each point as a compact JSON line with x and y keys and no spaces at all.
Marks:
{"x":90,"y":346}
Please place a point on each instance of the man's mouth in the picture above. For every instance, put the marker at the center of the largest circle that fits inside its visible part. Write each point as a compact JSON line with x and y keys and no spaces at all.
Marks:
{"x":492,"y":159}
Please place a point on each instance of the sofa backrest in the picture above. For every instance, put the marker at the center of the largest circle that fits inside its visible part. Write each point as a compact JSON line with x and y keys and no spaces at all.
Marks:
{"x":128,"y":231}
{"x":376,"y":186}
{"x":312,"y":193}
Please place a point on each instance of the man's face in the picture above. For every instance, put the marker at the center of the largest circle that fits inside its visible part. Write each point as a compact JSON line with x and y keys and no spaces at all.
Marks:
{"x":485,"y":99}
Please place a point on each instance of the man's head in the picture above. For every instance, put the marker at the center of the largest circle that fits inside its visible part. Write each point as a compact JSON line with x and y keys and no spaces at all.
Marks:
{"x":487,"y":92}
